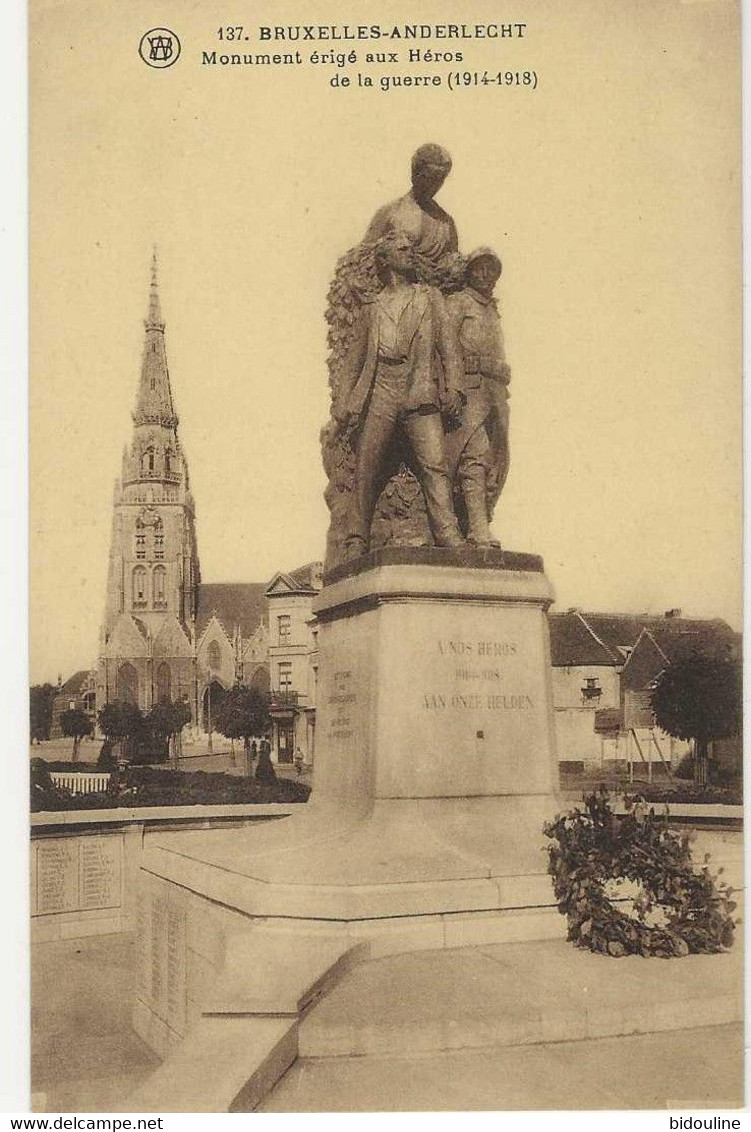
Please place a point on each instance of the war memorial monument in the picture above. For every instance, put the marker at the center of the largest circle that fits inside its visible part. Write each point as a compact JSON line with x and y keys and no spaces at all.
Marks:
{"x":435,"y":765}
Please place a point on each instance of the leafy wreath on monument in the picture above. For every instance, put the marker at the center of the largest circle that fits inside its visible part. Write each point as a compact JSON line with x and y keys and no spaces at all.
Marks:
{"x":627,"y":885}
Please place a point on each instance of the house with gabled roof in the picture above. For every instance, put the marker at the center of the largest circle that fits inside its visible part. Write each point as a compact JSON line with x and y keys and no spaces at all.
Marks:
{"x":78,"y":692}
{"x":604,"y":665}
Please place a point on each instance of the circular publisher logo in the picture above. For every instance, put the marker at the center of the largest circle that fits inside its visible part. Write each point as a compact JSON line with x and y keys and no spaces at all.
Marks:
{"x":159,"y":48}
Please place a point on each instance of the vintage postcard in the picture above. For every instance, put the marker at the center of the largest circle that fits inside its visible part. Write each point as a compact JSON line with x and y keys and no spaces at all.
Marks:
{"x":385,"y":556}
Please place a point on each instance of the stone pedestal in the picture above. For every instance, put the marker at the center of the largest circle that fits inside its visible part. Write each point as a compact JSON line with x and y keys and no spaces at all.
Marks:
{"x":435,"y":770}
{"x":434,"y":681}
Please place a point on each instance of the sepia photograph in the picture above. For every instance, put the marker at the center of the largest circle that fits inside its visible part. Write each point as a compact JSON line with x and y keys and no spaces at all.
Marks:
{"x":385,"y":557}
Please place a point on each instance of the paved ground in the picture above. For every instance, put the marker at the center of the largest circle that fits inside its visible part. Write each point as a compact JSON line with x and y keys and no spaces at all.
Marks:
{"x":427,"y":1031}
{"x":692,"y":1069}
{"x":522,"y":1025}
{"x":84,"y":1055}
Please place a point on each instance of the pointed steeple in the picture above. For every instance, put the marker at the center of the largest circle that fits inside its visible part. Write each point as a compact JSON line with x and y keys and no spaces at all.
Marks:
{"x":154,"y":404}
{"x":154,"y":321}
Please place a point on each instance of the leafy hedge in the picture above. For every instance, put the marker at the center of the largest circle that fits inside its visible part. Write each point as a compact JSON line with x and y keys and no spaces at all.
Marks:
{"x":152,"y":786}
{"x":677,"y":909}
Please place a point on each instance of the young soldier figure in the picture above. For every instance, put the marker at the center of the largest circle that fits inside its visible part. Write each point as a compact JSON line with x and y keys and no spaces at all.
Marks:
{"x":390,"y":380}
{"x":477,"y":451}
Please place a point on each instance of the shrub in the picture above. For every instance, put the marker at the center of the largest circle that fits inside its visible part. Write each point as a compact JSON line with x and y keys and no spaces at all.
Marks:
{"x":685,"y":768}
{"x":107,"y":760}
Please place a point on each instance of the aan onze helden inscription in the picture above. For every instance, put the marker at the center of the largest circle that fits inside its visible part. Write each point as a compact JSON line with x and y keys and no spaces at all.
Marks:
{"x":483,"y":662}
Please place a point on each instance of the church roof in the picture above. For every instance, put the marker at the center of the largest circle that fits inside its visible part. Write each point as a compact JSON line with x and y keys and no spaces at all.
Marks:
{"x":232,"y":603}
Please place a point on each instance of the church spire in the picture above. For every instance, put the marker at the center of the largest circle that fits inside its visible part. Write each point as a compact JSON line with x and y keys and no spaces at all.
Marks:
{"x":154,"y":321}
{"x":154,"y":404}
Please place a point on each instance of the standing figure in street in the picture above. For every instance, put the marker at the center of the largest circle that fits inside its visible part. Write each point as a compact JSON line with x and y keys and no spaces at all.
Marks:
{"x":478,"y":451}
{"x":390,"y":380}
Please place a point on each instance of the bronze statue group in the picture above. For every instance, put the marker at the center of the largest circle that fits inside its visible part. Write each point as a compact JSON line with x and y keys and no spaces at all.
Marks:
{"x":417,"y":446}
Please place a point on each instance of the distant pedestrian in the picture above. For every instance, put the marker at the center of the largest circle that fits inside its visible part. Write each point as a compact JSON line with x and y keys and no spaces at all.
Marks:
{"x":298,"y":761}
{"x":265,"y":773}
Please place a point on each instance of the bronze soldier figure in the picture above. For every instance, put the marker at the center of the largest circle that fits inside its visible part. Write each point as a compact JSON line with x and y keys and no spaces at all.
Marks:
{"x":478,"y":451}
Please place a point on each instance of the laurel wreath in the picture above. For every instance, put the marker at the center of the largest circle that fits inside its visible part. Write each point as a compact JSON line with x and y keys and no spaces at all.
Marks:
{"x":627,"y":884}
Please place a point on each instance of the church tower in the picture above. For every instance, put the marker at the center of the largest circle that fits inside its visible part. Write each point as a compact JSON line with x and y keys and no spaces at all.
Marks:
{"x":147,"y":646}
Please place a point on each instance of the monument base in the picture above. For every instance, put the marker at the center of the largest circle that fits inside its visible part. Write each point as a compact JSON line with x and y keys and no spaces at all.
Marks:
{"x":435,"y":771}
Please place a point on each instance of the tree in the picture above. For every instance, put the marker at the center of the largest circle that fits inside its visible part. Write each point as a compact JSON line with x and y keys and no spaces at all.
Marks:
{"x":75,"y":724}
{"x":699,"y":698}
{"x":122,"y":723}
{"x":165,"y":721}
{"x":157,"y":727}
{"x":41,"y":699}
{"x":243,"y":714}
{"x":181,"y":715}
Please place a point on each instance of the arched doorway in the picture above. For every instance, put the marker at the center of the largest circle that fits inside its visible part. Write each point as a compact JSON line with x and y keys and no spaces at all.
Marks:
{"x":212,"y":699}
{"x":127,"y":684}
{"x":163,"y":683}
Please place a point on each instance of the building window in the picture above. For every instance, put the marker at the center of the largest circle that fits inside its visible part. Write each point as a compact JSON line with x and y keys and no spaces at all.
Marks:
{"x":139,"y":588}
{"x":285,"y":629}
{"x":285,"y":676}
{"x":158,"y":582}
{"x":158,"y":544}
{"x":591,"y":689}
{"x":214,"y":657}
{"x":140,"y":544}
{"x":148,"y":462}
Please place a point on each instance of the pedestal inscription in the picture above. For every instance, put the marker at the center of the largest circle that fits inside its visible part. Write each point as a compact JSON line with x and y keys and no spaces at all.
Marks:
{"x":101,"y":867}
{"x":57,"y":877}
{"x":76,"y":874}
{"x":435,"y":683}
{"x":176,"y":966}
{"x":161,"y":978}
{"x":471,"y":706}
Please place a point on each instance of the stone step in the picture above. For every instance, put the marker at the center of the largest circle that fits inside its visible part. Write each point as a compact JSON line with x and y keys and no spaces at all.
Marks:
{"x":516,"y":994}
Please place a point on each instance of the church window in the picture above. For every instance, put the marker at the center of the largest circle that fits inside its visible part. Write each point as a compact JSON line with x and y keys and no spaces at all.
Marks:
{"x":148,"y":462}
{"x":140,"y":544}
{"x":158,"y":579}
{"x":139,"y":587}
{"x":127,"y":684}
{"x":163,"y":683}
{"x":168,"y":462}
{"x":158,"y":544}
{"x":214,"y":657}
{"x":285,"y":628}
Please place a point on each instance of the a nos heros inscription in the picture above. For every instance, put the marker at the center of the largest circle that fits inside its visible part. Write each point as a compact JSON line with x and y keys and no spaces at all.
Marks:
{"x":483,"y":672}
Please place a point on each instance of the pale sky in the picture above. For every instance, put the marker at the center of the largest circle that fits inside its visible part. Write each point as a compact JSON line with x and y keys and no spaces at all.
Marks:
{"x":612,"y":193}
